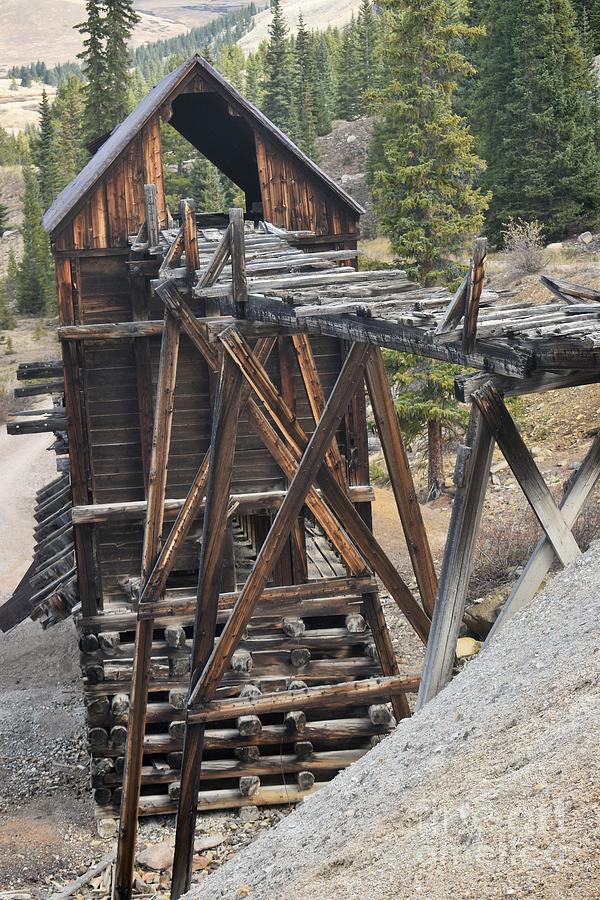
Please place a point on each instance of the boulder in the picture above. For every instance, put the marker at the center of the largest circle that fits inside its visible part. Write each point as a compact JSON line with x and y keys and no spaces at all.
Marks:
{"x":156,"y":857}
{"x":586,"y":237}
{"x":467,"y":646}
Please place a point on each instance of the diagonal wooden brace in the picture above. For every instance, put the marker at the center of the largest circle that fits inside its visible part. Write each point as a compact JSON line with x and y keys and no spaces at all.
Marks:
{"x":282,"y":525}
{"x":543,"y":556}
{"x":336,"y":497}
{"x":401,"y":480}
{"x":500,"y":423}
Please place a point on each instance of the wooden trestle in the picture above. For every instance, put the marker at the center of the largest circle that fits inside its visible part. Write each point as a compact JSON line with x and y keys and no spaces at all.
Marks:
{"x":270,"y":658}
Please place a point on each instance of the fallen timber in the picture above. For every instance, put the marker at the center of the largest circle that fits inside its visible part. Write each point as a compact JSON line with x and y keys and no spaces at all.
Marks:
{"x":291,"y":678}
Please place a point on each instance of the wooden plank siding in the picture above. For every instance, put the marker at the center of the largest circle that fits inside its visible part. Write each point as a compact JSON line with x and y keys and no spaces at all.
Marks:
{"x":293,"y":199}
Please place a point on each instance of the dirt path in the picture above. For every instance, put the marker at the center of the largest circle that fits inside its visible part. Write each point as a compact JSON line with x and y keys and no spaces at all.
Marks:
{"x":46,"y":817}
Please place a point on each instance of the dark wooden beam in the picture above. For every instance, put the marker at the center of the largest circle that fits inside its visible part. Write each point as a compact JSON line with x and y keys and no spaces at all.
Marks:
{"x":526,"y":472}
{"x":214,"y":534}
{"x":401,"y":479}
{"x":471,"y":478}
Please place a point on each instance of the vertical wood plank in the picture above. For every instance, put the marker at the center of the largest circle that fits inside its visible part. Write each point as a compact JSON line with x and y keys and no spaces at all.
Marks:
{"x":132,"y":773}
{"x":471,"y":477}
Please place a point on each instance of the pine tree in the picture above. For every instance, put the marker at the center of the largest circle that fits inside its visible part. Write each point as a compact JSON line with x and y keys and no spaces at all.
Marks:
{"x":119,"y":22}
{"x":305,"y":89}
{"x":214,"y":196}
{"x":422,"y":163}
{"x":67,"y":151}
{"x":7,"y":320}
{"x":278,"y":100}
{"x":594,"y":18}
{"x":48,"y":165}
{"x":325,"y":87}
{"x":12,"y":272}
{"x":3,"y":217}
{"x":253,"y":81}
{"x":97,"y":119}
{"x":35,"y":275}
{"x":369,"y":51}
{"x":350,"y":87}
{"x":535,"y":116}
{"x":425,"y":402}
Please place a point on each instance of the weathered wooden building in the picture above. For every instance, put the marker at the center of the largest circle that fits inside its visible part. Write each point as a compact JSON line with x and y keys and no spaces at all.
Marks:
{"x":212,"y":525}
{"x":104,"y":418}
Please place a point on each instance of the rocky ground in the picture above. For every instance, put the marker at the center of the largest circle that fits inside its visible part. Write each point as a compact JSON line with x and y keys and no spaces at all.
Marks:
{"x":491,"y":791}
{"x":47,"y":833}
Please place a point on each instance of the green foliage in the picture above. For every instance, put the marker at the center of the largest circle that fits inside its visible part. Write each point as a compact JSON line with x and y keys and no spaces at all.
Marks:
{"x":96,"y":112}
{"x":8,"y":347}
{"x":14,"y":148}
{"x":119,"y":22}
{"x":67,"y":150}
{"x":350,"y":87}
{"x":3,"y":217}
{"x":278,"y":97}
{"x":424,"y":392}
{"x":536,"y":115}
{"x":47,"y":162}
{"x":35,"y":274}
{"x":423,"y":167}
{"x":207,"y":187}
{"x":7,"y":320}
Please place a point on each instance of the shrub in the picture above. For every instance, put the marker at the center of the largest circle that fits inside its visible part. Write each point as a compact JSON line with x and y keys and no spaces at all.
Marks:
{"x":524,"y":244}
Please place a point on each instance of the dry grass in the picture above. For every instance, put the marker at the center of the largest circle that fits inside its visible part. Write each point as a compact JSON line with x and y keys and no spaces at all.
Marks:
{"x":377,"y":249}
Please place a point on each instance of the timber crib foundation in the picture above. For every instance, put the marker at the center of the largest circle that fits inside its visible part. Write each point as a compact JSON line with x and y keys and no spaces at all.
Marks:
{"x":210,"y":527}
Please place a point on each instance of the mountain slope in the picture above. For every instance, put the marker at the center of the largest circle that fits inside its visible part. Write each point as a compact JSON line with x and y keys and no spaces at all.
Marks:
{"x":46,"y":31}
{"x":317,"y":14}
{"x":491,"y":791}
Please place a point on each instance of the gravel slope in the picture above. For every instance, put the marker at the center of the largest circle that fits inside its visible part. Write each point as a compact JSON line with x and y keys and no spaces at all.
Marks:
{"x":491,"y":791}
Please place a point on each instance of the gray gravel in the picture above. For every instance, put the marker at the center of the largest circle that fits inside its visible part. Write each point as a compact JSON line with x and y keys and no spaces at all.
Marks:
{"x":491,"y":791}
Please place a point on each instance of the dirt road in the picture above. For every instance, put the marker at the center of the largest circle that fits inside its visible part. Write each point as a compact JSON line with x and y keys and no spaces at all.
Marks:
{"x":46,"y":819}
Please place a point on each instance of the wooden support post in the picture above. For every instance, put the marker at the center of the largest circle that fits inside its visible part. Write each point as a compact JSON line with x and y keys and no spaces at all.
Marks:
{"x":336,"y":497}
{"x":151,"y":208}
{"x":161,"y":441}
{"x":401,"y":479}
{"x":474,"y":289}
{"x":455,"y":309}
{"x":82,"y":535}
{"x":316,"y":398}
{"x":297,"y":549}
{"x":471,"y":478}
{"x":238,"y":261}
{"x":216,"y":659}
{"x":543,"y":556}
{"x":190,"y":239}
{"x":132,"y":774}
{"x":205,"y":688}
{"x":157,"y":580}
{"x":526,"y":472}
{"x":218,"y":260}
{"x":214,"y":534}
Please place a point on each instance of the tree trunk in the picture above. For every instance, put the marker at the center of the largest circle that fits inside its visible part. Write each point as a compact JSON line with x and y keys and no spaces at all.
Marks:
{"x":435,"y":469}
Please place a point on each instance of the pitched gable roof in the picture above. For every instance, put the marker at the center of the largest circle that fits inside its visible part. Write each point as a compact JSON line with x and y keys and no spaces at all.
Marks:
{"x":71,"y":196}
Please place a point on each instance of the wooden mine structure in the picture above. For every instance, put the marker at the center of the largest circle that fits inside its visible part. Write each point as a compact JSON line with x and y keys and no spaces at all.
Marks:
{"x":211,"y":524}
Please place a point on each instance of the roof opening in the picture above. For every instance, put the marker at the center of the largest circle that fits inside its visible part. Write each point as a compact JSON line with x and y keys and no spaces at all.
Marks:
{"x":205,"y":120}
